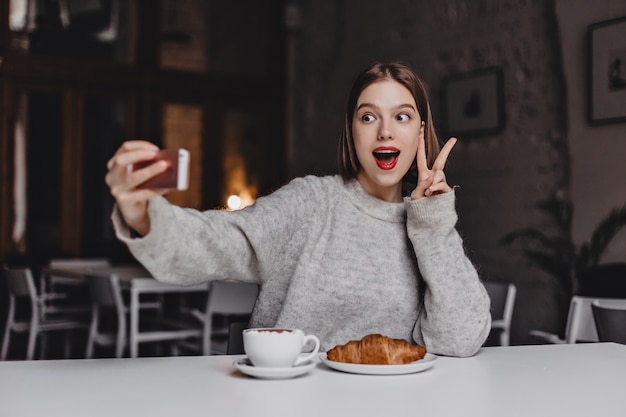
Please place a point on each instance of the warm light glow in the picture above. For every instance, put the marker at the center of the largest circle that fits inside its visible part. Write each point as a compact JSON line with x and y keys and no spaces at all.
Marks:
{"x":242,"y":200}
{"x":233,"y":202}
{"x":240,"y":188}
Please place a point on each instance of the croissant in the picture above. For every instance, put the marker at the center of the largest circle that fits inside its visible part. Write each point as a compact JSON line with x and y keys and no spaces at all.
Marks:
{"x":376,"y":349}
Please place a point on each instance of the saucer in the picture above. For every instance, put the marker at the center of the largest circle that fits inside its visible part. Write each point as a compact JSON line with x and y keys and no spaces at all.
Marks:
{"x":245,"y":366}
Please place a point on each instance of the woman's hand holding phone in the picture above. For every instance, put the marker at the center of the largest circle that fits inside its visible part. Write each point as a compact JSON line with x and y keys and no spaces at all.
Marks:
{"x":175,"y":177}
{"x":133,"y":180}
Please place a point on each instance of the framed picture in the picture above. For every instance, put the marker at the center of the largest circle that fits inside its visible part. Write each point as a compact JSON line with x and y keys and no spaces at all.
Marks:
{"x":606,"y":82}
{"x":473,"y":103}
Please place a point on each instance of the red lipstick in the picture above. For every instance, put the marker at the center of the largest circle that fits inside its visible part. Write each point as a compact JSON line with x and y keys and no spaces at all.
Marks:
{"x":386,"y":157}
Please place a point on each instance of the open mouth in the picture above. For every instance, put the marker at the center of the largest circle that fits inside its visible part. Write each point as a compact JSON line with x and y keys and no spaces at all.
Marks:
{"x":386,"y":158}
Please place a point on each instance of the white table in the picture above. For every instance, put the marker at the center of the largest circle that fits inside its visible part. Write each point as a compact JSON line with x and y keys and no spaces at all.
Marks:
{"x":138,"y":282}
{"x":548,"y":380}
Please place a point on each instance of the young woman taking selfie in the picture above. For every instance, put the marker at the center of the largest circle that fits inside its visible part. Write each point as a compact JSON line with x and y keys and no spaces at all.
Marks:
{"x":371,"y":250}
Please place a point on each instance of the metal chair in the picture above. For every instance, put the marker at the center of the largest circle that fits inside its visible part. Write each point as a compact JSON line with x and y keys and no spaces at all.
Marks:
{"x":106,"y":296}
{"x":21,"y":285}
{"x":610,"y":320}
{"x":62,"y":291}
{"x":235,"y":338}
{"x":226,"y":299}
{"x":580,"y":326}
{"x":502,"y":297}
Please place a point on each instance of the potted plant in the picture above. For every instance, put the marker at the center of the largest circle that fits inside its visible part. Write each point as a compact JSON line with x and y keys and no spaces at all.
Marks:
{"x":557,"y":255}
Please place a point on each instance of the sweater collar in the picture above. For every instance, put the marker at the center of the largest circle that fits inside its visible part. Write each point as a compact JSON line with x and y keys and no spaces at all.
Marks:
{"x":372,"y":206}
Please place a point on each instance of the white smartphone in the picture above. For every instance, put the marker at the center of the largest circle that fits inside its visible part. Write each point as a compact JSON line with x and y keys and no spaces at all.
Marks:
{"x":176,"y":176}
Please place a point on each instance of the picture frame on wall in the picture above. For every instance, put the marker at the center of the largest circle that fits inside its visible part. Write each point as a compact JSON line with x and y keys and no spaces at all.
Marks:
{"x":473,"y":103}
{"x":606,"y":80}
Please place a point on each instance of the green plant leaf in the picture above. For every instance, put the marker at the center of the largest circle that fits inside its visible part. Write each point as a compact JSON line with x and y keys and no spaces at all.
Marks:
{"x":558,"y":255}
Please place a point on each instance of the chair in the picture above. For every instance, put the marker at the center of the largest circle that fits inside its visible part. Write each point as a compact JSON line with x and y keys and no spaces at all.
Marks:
{"x":580,"y":326}
{"x":106,"y":297}
{"x":235,"y":338}
{"x":226,"y":298}
{"x":502,"y":297}
{"x":59,"y":289}
{"x":21,"y":285}
{"x":610,"y":320}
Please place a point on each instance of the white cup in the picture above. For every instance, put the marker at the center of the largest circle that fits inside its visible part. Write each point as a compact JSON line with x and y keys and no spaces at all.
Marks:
{"x":277,"y":348}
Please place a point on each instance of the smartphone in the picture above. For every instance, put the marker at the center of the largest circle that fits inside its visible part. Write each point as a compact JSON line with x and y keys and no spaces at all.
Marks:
{"x":176,"y":176}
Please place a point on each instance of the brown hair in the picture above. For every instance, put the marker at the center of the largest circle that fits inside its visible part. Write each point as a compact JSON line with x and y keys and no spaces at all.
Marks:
{"x":349,"y":164}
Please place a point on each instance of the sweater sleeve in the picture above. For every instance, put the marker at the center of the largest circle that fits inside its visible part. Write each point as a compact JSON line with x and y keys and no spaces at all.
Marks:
{"x":455,"y":319}
{"x":186,"y":246}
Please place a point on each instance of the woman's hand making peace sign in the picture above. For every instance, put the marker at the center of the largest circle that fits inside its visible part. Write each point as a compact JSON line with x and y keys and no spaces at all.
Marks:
{"x":431,"y":181}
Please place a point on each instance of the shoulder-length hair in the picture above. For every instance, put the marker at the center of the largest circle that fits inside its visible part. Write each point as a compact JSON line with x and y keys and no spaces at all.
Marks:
{"x":349,"y":165}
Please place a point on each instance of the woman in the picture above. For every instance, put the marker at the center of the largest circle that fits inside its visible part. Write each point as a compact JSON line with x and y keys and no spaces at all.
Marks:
{"x":337,"y":256}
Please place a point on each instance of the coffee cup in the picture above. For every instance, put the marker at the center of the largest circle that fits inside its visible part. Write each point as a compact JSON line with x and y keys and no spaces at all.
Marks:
{"x":278,"y":348}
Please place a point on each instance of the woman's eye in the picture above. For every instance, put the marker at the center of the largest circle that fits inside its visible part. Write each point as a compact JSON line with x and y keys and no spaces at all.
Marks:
{"x":367,"y":117}
{"x":404,"y":117}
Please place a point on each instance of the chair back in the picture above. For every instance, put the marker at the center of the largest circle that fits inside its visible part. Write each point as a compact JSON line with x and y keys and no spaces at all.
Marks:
{"x":105,"y":291}
{"x":235,"y":338}
{"x":610,"y":320}
{"x":229,"y":297}
{"x":20,"y":282}
{"x":502,"y":297}
{"x":498,"y":294}
{"x":105,"y":294}
{"x":232,"y":297}
{"x":580,"y":325}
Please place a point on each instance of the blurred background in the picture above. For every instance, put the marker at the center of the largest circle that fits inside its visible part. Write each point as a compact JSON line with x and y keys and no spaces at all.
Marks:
{"x":256,"y":91}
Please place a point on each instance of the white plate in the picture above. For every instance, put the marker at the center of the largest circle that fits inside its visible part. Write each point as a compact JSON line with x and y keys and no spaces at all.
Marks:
{"x":354,"y":368}
{"x":244,"y":365}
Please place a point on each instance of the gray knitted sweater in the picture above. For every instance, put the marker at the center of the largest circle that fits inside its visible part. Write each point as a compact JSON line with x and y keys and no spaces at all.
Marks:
{"x":331,"y":260}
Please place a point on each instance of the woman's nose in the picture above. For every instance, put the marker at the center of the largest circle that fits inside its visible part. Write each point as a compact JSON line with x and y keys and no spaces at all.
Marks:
{"x":385,"y":132}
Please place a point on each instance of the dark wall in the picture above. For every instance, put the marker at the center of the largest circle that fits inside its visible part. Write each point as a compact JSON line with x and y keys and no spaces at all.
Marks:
{"x":502,"y":176}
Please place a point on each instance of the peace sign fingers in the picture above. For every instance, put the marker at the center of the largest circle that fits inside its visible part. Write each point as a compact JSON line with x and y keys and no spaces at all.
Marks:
{"x":422,"y":164}
{"x":431,"y":181}
{"x":442,"y":158}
